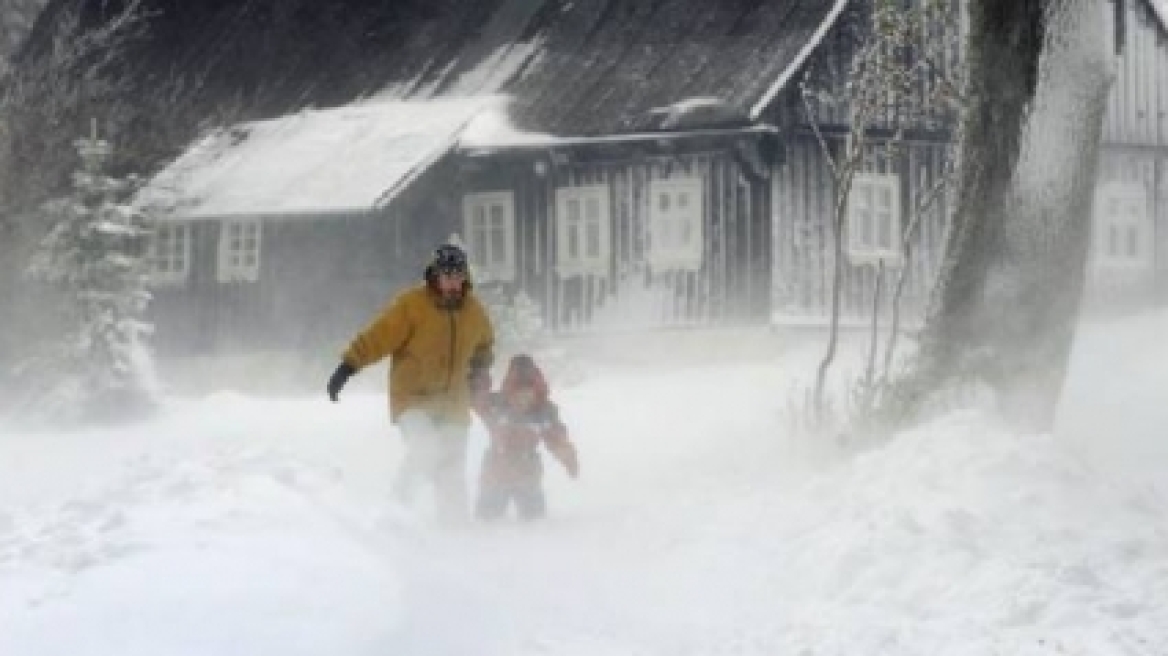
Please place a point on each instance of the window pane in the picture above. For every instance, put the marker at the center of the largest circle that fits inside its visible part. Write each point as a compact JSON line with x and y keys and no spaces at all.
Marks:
{"x":1135,"y":209}
{"x":662,"y":234}
{"x":884,"y":231}
{"x":864,"y":198}
{"x":864,"y":221}
{"x":573,"y":242}
{"x":479,"y":240}
{"x":498,"y":246}
{"x":1113,"y":240}
{"x":682,"y":200}
{"x":663,"y":202}
{"x":884,"y":198}
{"x":1133,"y":242}
{"x":592,"y":227}
{"x":592,"y":208}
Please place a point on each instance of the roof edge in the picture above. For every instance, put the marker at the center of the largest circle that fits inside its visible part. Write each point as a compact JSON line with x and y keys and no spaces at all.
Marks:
{"x":423,"y":165}
{"x":554,"y":142}
{"x":270,"y":215}
{"x":813,"y":43}
{"x":1161,"y":14}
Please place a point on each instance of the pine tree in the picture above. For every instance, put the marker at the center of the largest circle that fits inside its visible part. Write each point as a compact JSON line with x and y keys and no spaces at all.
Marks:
{"x":517,"y":319}
{"x":93,"y":256}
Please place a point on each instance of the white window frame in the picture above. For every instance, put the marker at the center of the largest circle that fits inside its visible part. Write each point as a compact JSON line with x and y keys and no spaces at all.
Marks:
{"x":170,"y":246}
{"x":1113,"y":233}
{"x":577,"y":228}
{"x":874,"y":228}
{"x":491,"y":249}
{"x":677,"y":232}
{"x":239,"y":256}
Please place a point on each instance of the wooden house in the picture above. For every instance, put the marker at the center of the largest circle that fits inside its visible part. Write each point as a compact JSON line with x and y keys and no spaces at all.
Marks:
{"x":277,"y":234}
{"x":628,"y":184}
{"x":626,"y":165}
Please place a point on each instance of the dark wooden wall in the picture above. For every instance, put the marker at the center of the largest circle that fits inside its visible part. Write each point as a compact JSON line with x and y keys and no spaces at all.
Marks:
{"x":315,"y":277}
{"x":803,"y":205}
{"x":732,"y":287}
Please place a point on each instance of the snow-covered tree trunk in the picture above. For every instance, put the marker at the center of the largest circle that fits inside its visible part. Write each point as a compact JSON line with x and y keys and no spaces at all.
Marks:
{"x":94,"y":258}
{"x":1009,"y":288}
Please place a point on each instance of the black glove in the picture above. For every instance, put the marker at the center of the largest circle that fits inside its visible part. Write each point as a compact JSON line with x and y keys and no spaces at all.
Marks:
{"x":339,"y":378}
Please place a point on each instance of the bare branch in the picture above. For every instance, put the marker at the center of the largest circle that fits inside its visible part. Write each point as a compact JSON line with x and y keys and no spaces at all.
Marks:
{"x":811,"y":116}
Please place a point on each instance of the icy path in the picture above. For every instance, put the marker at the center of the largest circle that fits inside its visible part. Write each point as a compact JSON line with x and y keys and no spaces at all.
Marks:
{"x":244,"y":526}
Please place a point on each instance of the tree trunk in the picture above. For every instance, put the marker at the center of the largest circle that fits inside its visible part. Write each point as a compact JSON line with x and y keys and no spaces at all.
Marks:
{"x":1009,"y":287}
{"x":1048,"y":237}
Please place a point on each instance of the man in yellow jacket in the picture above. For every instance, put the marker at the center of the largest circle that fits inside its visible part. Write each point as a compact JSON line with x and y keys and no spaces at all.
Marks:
{"x":440,"y":340}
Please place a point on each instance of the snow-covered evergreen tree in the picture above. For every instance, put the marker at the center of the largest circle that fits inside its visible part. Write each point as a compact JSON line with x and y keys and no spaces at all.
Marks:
{"x":517,"y":319}
{"x":93,"y":256}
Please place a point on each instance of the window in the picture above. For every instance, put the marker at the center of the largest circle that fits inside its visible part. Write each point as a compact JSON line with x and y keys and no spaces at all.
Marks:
{"x":168,"y":255}
{"x":675,"y":224}
{"x":489,"y":220}
{"x":239,"y":251}
{"x":873,"y":231}
{"x":1123,"y":227}
{"x":583,"y":226}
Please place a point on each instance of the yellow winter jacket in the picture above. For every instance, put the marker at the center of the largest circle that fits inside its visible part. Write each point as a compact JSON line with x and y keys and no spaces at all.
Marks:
{"x":433,"y":350}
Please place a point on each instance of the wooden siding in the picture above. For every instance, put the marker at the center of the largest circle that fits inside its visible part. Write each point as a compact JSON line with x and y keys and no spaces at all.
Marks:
{"x":1134,"y":150}
{"x":319,"y":280}
{"x":1109,"y":288}
{"x":803,"y":236}
{"x":829,"y":68}
{"x":1137,"y":112}
{"x":732,"y":286}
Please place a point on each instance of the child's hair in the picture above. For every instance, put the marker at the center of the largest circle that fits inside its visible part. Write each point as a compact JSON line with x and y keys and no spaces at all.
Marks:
{"x":523,"y":373}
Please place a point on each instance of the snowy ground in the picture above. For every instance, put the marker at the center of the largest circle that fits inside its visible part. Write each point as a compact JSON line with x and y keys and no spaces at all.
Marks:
{"x":236,"y":525}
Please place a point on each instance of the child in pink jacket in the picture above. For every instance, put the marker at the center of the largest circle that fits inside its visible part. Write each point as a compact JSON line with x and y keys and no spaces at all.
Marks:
{"x":519,"y":418}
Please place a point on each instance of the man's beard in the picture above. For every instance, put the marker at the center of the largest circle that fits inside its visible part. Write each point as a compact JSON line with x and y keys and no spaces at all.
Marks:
{"x":450,"y":299}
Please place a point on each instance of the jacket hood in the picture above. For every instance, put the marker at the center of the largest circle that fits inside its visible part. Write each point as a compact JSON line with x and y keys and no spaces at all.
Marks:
{"x":522,"y":373}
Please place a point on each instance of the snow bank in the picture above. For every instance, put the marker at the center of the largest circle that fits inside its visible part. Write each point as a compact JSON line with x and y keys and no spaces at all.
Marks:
{"x":699,"y":526}
{"x":963,"y":538}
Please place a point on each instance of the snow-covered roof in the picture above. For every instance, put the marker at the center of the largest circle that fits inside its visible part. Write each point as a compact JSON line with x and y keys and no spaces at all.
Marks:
{"x":349,"y":159}
{"x":1160,"y":9}
{"x":628,"y":66}
{"x":800,"y":58}
{"x":493,"y":128}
